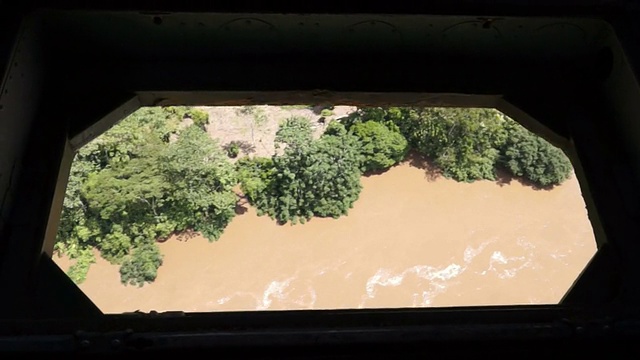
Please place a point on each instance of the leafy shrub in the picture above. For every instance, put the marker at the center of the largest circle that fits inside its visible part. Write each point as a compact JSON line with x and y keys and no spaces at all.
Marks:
{"x":294,"y":131}
{"x":335,"y":128}
{"x":199,"y":117}
{"x":326,"y":112}
{"x":233,"y":149}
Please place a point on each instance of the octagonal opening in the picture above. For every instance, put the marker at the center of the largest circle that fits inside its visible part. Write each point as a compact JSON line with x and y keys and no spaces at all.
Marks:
{"x":321,"y":207}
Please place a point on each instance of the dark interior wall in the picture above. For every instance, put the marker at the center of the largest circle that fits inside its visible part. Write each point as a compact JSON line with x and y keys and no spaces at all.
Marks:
{"x":100,"y":66}
{"x":20,"y":96}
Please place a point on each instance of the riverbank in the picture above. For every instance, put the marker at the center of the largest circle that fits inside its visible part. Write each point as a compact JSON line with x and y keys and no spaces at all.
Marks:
{"x":412,"y":239}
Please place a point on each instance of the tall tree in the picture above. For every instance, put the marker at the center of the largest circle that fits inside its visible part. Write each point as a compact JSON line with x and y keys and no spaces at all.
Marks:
{"x":316,"y":178}
{"x":380,"y":146}
{"x":202,"y":180}
{"x":533,"y":158}
{"x":128,"y":199}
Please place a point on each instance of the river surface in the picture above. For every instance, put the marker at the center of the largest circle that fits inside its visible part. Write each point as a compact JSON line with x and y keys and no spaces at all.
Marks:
{"x":411,"y":240}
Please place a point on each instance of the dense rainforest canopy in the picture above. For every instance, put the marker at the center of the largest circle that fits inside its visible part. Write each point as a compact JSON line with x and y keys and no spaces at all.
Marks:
{"x":144,"y":179}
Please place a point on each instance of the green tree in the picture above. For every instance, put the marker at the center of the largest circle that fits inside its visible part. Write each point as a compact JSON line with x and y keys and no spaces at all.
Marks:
{"x":294,"y":131}
{"x":380,"y":146}
{"x":201,"y":181}
{"x":317,"y":178}
{"x":141,"y":266}
{"x":128,"y":199}
{"x":531,"y":157}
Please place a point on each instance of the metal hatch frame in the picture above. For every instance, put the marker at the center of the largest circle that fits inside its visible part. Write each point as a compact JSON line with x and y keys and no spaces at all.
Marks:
{"x":565,"y":71}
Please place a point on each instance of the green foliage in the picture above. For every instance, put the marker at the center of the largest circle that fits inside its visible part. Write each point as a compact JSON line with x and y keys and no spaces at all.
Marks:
{"x":464,"y":143}
{"x":74,"y":230}
{"x":326,"y":112}
{"x":145,"y":178}
{"x":141,"y":266}
{"x":125,"y":200}
{"x":533,"y":158}
{"x":294,"y":131}
{"x":78,"y":271}
{"x":133,"y":186}
{"x":255,"y":176}
{"x":127,"y":139}
{"x":316,"y":178}
{"x":376,"y":114}
{"x":335,"y":128}
{"x":469,"y":144}
{"x":202,"y":180}
{"x":200,"y":118}
{"x":233,"y":149}
{"x":380,"y":146}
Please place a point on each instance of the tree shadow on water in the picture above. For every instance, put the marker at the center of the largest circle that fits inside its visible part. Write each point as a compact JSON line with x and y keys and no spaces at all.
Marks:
{"x":375,"y":172}
{"x":504,"y":177}
{"x":241,"y":207}
{"x":431,"y":171}
{"x":179,"y":236}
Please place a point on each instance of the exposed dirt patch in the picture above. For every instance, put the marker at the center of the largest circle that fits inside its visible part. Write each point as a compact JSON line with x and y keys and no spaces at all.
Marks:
{"x":255,"y":126}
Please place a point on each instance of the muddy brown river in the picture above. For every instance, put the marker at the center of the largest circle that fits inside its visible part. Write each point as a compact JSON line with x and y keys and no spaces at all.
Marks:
{"x":409,"y":241}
